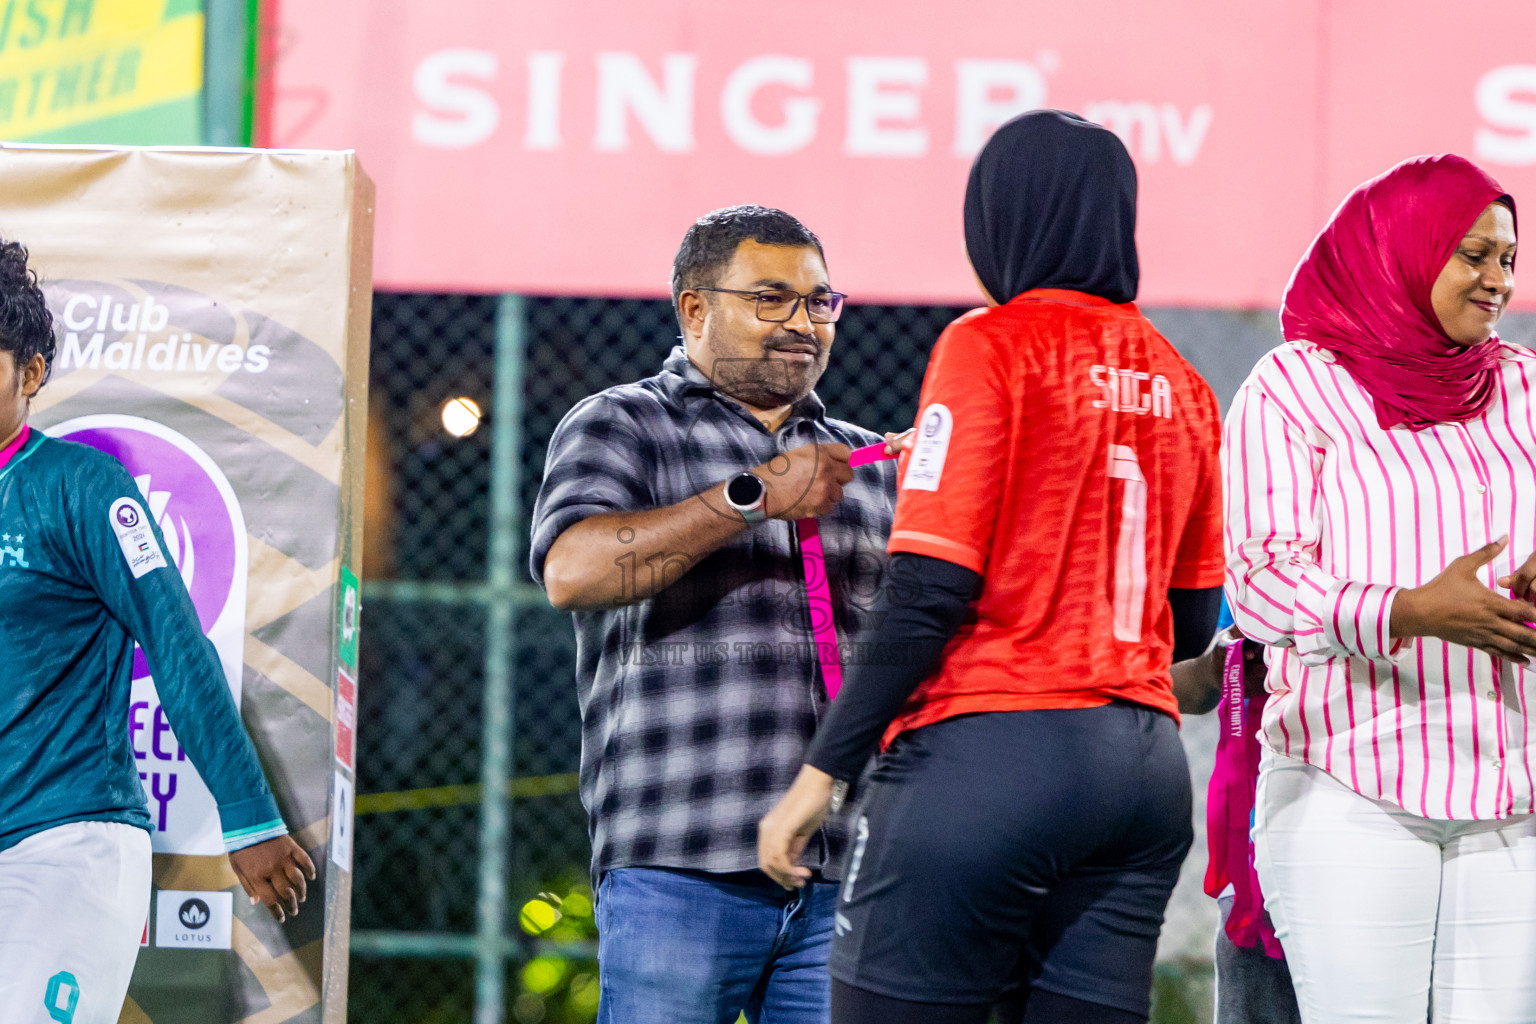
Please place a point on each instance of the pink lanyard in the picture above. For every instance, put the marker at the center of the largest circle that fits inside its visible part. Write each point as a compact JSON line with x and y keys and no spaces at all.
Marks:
{"x":818,"y":595}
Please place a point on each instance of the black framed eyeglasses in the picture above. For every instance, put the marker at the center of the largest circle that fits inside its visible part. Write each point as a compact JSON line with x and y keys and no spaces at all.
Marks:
{"x":778,"y":305}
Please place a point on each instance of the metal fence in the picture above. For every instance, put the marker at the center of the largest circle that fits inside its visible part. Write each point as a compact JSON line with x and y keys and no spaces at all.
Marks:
{"x":471,"y":897}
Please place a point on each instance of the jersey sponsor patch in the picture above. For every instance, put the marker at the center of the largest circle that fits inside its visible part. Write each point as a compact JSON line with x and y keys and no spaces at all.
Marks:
{"x":934,"y":428}
{"x":136,"y":537}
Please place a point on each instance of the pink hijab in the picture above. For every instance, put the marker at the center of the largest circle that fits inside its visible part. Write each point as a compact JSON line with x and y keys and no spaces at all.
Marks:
{"x":1363,"y":291}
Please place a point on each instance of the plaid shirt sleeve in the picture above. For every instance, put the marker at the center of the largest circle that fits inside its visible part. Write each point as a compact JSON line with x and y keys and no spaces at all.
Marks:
{"x":697,"y":703}
{"x":594,"y":466}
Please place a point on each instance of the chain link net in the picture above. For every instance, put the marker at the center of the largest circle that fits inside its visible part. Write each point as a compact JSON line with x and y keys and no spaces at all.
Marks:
{"x":423,"y":641}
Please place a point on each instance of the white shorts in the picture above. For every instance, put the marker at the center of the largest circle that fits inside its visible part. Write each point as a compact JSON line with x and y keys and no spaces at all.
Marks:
{"x":73,"y":904}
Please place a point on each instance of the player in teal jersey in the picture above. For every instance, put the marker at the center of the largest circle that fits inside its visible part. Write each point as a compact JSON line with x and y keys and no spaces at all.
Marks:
{"x":83,"y":577}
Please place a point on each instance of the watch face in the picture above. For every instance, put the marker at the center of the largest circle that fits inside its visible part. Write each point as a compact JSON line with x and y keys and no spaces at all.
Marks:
{"x":744,"y":490}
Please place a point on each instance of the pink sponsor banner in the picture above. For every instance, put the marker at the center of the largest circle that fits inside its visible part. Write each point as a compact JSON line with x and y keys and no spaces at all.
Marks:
{"x":564,"y":147}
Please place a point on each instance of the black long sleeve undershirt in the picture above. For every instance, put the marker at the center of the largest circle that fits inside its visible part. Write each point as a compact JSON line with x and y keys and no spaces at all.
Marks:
{"x":1195,"y":614}
{"x":923,"y":601}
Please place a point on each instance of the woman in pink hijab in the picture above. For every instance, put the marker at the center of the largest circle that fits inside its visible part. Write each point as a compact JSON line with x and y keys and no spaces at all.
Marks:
{"x":1381,"y":481}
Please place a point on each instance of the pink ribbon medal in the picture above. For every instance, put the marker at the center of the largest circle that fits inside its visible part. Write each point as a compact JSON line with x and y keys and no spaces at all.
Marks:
{"x":868,"y":454}
{"x":1229,"y":811}
{"x":818,"y":594}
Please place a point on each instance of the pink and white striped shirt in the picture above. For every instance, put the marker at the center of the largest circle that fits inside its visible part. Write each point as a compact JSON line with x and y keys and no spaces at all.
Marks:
{"x":1328,"y":517}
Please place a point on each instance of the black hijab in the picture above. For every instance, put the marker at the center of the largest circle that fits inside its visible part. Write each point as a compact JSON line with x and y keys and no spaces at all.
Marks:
{"x":1052,"y":204}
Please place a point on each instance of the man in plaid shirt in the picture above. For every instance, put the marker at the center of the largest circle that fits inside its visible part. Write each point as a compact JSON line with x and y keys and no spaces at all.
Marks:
{"x":666,"y":523}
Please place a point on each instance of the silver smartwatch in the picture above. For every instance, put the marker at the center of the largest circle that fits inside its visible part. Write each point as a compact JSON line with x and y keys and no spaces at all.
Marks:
{"x":747,"y":494}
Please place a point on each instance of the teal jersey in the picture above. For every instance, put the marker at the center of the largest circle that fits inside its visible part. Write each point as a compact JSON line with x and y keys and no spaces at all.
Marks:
{"x":83,"y":576}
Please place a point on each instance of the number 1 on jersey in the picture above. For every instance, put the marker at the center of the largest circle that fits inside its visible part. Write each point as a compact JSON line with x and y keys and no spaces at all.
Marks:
{"x":1130,"y":574}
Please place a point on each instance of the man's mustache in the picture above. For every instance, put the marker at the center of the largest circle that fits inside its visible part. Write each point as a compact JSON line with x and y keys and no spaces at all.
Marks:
{"x":792,"y":342}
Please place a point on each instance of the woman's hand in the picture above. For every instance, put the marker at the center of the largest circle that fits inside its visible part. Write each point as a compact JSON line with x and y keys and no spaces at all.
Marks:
{"x":784,"y":831}
{"x":275,"y":873}
{"x":1520,"y":584}
{"x":1458,"y":608}
{"x":1197,"y":682}
{"x":899,"y":444}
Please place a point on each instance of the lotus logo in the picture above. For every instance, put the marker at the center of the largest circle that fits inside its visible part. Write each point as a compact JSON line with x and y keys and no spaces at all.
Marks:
{"x":193,"y":913}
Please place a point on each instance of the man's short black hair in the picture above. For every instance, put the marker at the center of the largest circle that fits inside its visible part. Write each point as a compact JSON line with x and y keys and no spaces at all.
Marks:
{"x":26,"y":325}
{"x":710,"y":244}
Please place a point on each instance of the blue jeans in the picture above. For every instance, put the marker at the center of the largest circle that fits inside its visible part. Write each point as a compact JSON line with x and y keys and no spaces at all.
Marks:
{"x":685,"y":947}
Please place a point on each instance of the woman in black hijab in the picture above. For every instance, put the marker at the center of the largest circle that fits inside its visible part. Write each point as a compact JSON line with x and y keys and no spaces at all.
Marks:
{"x":1057,"y":543}
{"x":1051,"y":203}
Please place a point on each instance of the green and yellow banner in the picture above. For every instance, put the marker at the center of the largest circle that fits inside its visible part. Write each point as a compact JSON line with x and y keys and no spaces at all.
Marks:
{"x":121,"y":72}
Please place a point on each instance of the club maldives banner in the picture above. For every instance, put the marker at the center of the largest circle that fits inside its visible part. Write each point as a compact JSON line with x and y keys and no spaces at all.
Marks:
{"x":566,"y":145}
{"x":101,"y":71}
{"x":211,"y":309}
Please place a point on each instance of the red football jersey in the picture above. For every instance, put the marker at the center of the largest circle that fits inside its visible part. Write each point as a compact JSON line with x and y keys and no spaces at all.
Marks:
{"x":1067,"y":453}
